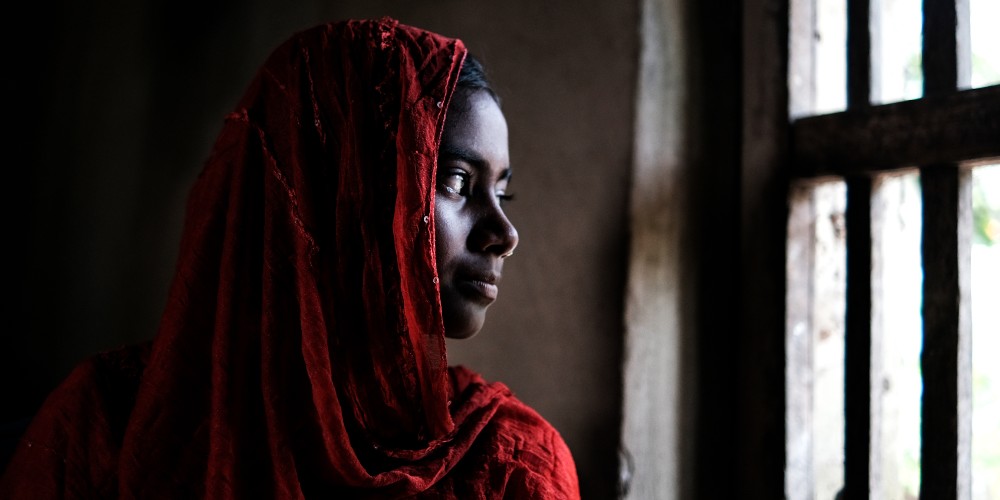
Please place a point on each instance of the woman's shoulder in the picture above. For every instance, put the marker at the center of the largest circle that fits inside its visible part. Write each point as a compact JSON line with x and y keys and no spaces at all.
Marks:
{"x":101,"y":387}
{"x":512,"y":419}
{"x":73,"y":439}
{"x":533,"y":441}
{"x":104,"y":384}
{"x":527,"y":443}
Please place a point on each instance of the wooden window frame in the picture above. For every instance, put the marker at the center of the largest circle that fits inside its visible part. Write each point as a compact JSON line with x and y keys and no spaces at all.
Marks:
{"x":938,"y":133}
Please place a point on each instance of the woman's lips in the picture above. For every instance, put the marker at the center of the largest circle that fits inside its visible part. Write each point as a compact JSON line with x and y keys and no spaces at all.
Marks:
{"x":484,"y":286}
{"x":487,"y":290}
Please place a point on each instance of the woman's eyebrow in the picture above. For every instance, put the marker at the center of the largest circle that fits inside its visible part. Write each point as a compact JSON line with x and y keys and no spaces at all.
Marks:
{"x":467,"y":155}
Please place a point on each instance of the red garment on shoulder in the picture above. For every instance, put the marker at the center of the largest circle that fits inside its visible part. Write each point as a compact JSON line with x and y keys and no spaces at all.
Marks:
{"x":301,"y":352}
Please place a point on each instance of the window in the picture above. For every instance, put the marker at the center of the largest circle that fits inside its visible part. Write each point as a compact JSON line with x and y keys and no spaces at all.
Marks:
{"x":900,"y":166}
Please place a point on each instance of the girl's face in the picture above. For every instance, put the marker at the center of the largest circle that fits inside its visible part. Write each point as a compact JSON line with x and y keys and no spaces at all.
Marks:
{"x":473,"y":235}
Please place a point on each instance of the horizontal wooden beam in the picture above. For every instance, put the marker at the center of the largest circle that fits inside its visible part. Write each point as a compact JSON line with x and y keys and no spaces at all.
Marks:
{"x":957,"y":127}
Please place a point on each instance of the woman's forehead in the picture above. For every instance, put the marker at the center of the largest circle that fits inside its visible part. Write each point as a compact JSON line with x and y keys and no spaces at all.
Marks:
{"x":476,"y":130}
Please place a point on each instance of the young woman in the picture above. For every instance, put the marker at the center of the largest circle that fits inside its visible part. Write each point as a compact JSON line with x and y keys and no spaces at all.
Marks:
{"x":349,"y":218}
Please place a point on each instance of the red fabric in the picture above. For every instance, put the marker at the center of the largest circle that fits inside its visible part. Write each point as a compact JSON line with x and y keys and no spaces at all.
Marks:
{"x":301,"y":352}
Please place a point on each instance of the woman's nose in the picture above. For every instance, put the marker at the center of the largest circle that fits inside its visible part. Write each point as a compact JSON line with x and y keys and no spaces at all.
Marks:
{"x":493,"y":232}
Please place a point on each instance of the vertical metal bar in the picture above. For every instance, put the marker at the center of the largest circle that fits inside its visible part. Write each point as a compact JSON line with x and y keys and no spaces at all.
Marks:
{"x":857,"y":352}
{"x":945,"y":359}
{"x":859,"y":53}
{"x":857,"y":357}
{"x":946,"y":365}
{"x":946,"y":52}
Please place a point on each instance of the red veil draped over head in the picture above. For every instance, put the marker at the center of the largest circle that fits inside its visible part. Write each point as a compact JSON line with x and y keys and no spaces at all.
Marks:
{"x":301,"y":352}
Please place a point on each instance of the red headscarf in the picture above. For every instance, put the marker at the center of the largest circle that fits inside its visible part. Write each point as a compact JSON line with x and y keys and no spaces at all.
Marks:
{"x":302,"y":352}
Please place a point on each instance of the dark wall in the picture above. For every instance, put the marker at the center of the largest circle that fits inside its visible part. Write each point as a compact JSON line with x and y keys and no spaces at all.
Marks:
{"x":115,"y":104}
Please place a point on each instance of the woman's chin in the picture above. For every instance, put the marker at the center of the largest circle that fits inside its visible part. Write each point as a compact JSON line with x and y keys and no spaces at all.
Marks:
{"x":464,"y":326}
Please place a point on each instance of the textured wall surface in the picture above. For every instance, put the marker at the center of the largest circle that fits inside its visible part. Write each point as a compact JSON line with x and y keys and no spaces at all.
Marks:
{"x":118,"y":103}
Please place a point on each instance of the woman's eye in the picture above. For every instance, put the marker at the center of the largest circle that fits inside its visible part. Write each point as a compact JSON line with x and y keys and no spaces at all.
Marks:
{"x":504,"y":197}
{"x":455,"y":183}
